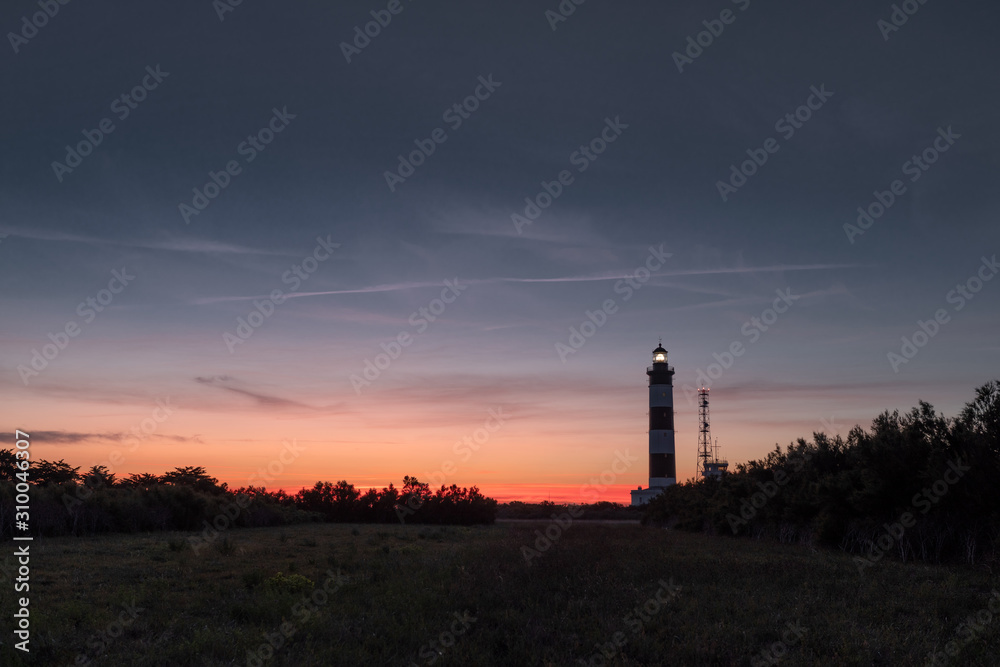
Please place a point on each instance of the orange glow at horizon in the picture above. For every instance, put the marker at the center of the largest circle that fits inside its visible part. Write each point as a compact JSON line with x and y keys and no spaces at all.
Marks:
{"x":516,"y":433}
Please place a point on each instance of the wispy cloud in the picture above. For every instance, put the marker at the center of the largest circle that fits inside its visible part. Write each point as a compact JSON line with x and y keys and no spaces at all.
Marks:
{"x":618,"y":275}
{"x":597,"y":277}
{"x":67,"y":437}
{"x":391,"y":287}
{"x":177,"y":244}
{"x":887,"y":391}
{"x":75,"y":437}
{"x":235,"y":386}
{"x":836,"y":290}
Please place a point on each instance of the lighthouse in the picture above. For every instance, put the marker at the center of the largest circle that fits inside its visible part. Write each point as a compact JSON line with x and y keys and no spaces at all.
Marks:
{"x":662,"y":464}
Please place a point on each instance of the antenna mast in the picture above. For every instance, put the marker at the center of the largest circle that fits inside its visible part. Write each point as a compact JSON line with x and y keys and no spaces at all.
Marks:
{"x":704,"y":434}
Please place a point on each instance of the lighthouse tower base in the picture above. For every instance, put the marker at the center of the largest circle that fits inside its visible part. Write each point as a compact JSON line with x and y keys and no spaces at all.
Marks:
{"x":642,"y":496}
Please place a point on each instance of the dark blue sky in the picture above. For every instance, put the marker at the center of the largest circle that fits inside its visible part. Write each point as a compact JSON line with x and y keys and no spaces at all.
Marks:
{"x":498,"y":343}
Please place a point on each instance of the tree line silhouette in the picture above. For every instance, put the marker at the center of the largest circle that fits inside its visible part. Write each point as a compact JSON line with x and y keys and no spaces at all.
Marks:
{"x":65,"y":501}
{"x":915,"y":486}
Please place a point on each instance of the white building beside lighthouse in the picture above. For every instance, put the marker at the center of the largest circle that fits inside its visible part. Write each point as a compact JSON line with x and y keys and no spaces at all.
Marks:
{"x":662,"y":462}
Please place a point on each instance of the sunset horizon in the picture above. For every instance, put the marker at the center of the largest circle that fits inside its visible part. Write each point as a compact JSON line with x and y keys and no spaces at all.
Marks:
{"x":471,"y":454}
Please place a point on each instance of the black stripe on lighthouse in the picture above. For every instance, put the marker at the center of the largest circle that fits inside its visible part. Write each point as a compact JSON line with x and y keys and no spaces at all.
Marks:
{"x":661,"y":419}
{"x":662,"y":465}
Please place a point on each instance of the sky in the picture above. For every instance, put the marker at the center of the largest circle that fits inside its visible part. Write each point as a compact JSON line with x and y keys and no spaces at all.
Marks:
{"x":447,"y":248}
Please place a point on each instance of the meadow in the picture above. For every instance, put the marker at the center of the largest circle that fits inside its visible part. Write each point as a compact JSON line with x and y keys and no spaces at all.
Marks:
{"x":615,"y":594}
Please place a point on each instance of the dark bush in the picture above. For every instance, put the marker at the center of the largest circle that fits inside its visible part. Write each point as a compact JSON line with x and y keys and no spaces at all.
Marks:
{"x":944,"y":473}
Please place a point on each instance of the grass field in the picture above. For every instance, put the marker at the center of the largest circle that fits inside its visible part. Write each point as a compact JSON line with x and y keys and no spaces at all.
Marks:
{"x":403,"y":595}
